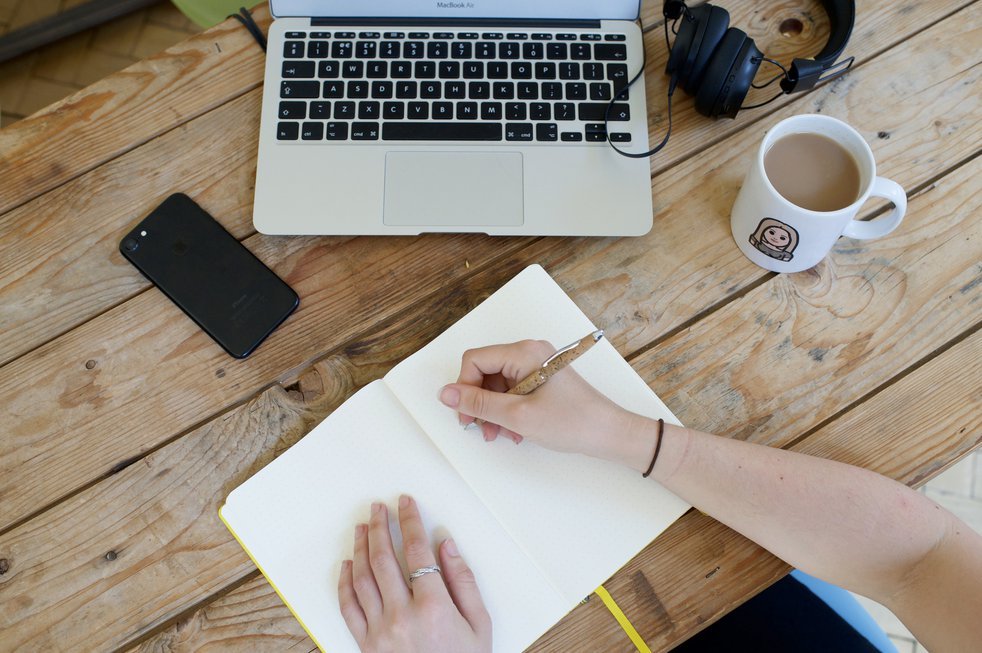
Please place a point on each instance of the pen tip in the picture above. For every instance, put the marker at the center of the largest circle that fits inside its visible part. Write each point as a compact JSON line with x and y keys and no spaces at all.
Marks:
{"x":598,"y":334}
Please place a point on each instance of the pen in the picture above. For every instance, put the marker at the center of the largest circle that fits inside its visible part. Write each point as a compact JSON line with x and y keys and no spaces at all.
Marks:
{"x":553,"y":364}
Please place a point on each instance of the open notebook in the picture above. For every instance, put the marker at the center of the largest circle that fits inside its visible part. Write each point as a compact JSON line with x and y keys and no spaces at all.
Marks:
{"x":540,"y":529}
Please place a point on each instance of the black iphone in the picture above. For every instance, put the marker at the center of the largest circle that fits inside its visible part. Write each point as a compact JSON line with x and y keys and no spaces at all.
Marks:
{"x":210,"y":275}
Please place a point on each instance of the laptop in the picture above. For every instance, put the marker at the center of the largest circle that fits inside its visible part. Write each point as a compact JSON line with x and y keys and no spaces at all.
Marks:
{"x":404,"y":117}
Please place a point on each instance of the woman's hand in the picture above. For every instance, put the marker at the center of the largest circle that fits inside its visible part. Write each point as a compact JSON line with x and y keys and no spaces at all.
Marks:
{"x":564,"y":414}
{"x":437,"y":613}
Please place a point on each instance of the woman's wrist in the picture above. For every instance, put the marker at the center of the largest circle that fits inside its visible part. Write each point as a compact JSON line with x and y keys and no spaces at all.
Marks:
{"x":637,"y":440}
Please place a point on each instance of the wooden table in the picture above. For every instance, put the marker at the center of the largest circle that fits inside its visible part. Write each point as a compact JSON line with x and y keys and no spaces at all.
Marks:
{"x":124,"y":427}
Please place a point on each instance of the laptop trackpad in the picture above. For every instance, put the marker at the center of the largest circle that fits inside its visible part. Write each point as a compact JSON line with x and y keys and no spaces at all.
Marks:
{"x":454,"y":189}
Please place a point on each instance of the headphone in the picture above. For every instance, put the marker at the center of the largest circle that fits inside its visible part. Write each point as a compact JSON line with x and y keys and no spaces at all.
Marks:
{"x":717,"y":63}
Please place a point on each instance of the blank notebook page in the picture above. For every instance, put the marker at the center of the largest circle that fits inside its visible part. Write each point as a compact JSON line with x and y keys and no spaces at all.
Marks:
{"x":580,"y":519}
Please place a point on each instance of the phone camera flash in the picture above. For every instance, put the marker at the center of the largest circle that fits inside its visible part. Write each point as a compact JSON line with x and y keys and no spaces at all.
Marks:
{"x":143,"y":233}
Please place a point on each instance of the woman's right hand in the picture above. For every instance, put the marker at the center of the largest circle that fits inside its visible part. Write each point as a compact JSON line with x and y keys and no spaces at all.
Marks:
{"x":564,"y":414}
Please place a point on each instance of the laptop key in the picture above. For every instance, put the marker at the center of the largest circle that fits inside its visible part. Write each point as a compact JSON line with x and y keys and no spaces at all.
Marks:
{"x":312,"y":131}
{"x":497,"y":70}
{"x":295,"y":110}
{"x":418,"y":111}
{"x":377,"y":70}
{"x":593,"y":71}
{"x":552,"y":91}
{"x":341,"y":49}
{"x":491,"y":110}
{"x":504,"y":90}
{"x":353,"y":69}
{"x":328,"y":69}
{"x":318,"y":49}
{"x":333,"y":90}
{"x":406,"y":90}
{"x":569,"y":70}
{"x":620,"y":137}
{"x":364,"y":131}
{"x":449,"y":70}
{"x":413,"y":50}
{"x":590,"y":111}
{"x":571,"y":137}
{"x":344,"y":110}
{"x":442,"y":110}
{"x":293,"y":50}
{"x":479,"y":90}
{"x":390,"y":50}
{"x":579,"y":51}
{"x":441,"y":131}
{"x":467,"y":111}
{"x":473,"y":70}
{"x":610,"y":52}
{"x":575,"y":91}
{"x":425,"y":70}
{"x":336,"y":131}
{"x":600,"y":91}
{"x":461,"y":50}
{"x":485,"y":50}
{"x":320,"y":110}
{"x":357,"y":90}
{"x":540,"y":111}
{"x":393,"y":110}
{"x":430,"y":90}
{"x":382,"y":90}
{"x":518,"y":131}
{"x":455,"y":90}
{"x":293,"y":69}
{"x":437,"y":49}
{"x":287,"y":131}
{"x":546,"y":131}
{"x":545,"y":70}
{"x":508,"y":50}
{"x":557,"y":51}
{"x":528,"y":91}
{"x":368,"y":110}
{"x":565,"y":111}
{"x":401,"y":70}
{"x":533,"y":50}
{"x":300,"y":89}
{"x":516,"y":111}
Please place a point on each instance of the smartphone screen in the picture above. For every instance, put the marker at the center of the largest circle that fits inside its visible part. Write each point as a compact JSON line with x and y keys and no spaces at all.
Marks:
{"x":210,"y":275}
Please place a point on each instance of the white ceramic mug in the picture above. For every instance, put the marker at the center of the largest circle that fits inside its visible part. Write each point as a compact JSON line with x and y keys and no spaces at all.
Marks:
{"x":780,"y":236}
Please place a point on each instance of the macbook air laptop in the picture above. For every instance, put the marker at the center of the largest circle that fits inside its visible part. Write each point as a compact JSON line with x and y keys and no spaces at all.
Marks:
{"x":398,"y":117}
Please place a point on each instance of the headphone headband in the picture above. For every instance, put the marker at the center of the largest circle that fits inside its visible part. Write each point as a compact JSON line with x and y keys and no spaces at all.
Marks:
{"x":805,"y":73}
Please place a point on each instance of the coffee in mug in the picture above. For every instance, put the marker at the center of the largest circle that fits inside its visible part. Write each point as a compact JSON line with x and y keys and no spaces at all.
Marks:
{"x":805,"y":186}
{"x":812,"y":171}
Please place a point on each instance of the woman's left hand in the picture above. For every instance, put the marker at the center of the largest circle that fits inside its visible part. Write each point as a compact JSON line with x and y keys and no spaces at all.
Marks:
{"x":437,"y":613}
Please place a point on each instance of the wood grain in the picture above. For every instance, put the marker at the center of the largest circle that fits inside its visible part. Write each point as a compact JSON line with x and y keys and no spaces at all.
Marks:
{"x":122,"y":511}
{"x":643,"y":287}
{"x":127,"y":109}
{"x":43,"y":253}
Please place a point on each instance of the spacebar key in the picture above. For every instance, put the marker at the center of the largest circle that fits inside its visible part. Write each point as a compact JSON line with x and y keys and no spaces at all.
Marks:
{"x":440,"y":131}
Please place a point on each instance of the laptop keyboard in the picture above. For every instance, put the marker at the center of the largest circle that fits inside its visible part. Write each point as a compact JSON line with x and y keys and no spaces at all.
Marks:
{"x":452,"y":86}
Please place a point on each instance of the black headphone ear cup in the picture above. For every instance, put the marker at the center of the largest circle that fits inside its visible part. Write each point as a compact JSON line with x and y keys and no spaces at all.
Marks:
{"x":728,"y":75}
{"x":714,"y":21}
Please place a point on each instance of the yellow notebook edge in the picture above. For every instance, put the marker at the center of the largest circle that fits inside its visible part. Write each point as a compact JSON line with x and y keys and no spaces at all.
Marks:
{"x":268,"y":579}
{"x":622,"y":620}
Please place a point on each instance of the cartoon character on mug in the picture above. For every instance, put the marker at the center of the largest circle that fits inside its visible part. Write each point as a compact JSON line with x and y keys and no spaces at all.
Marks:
{"x":774,"y":238}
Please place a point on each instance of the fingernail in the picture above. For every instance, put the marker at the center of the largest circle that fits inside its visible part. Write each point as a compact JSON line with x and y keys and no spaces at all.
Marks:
{"x":451,"y":548}
{"x":376,"y":507}
{"x":404,"y":501}
{"x":450,"y":396}
{"x":360,"y":530}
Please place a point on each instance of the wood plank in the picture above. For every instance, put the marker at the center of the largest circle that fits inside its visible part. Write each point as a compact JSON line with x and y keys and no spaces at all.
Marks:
{"x":644,"y":287}
{"x":699,"y":569}
{"x":40,"y":242}
{"x":129,"y":108}
{"x":58,"y":275}
{"x":162,"y":509}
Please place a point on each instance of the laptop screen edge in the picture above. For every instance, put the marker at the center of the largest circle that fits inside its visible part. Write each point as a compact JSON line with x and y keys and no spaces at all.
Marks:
{"x":461,"y":9}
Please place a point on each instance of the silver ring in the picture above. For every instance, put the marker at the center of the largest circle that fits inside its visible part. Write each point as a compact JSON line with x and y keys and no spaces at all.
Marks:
{"x":422,"y":571}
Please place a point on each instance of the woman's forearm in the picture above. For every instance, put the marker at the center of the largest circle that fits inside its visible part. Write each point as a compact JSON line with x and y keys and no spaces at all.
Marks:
{"x":844,"y":524}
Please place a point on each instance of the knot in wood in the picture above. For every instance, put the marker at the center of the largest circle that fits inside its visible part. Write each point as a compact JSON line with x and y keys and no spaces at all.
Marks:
{"x":4,"y":566}
{"x":111,"y":556}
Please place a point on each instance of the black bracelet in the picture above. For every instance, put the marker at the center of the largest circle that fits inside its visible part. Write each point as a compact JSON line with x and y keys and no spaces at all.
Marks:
{"x":246,"y":19}
{"x":661,"y":431}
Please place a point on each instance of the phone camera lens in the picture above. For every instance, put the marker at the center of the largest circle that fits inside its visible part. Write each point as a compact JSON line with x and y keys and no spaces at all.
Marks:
{"x":130,"y":244}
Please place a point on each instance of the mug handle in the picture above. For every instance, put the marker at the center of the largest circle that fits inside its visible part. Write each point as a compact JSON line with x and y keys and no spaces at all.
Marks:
{"x":888,"y":190}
